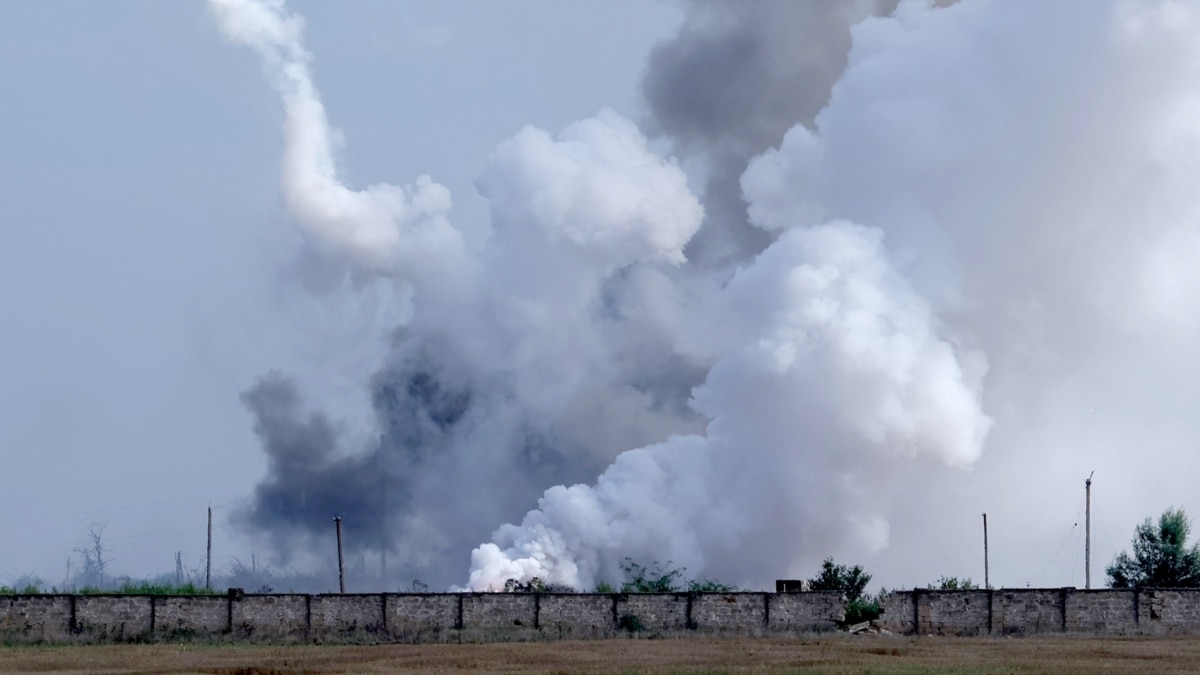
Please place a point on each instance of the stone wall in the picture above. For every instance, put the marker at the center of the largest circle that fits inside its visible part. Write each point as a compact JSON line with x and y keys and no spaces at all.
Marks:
{"x":498,"y":616}
{"x":793,"y":613}
{"x":730,"y":613}
{"x":186,"y":616}
{"x":420,"y":618}
{"x":1035,"y":611}
{"x":473,"y":617}
{"x":584,"y":616}
{"x":102,"y":618}
{"x":37,"y":618}
{"x":953,"y":613}
{"x":1028,"y":612}
{"x":270,"y":617}
{"x":1101,"y":612}
{"x":410,"y":617}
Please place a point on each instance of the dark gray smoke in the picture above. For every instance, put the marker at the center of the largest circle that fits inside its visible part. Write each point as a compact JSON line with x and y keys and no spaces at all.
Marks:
{"x":531,"y":364}
{"x":310,"y":477}
{"x":381,"y":491}
{"x":449,"y":447}
{"x":561,"y":348}
{"x":732,"y":82}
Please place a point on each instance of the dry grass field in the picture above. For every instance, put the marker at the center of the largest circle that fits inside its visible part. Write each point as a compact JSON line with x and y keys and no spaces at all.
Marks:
{"x":833,"y":654}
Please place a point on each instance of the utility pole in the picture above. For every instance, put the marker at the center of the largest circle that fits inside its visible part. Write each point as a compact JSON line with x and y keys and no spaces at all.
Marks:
{"x":1087,"y":539}
{"x":337,"y":522}
{"x":208,"y":555}
{"x":986,"y":581}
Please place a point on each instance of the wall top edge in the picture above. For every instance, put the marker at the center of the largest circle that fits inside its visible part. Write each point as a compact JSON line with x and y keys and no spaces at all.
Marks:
{"x":1048,"y":589}
{"x":224,"y":596}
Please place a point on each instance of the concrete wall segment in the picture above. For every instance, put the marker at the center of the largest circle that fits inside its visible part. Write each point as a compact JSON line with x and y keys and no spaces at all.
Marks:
{"x":517,"y":616}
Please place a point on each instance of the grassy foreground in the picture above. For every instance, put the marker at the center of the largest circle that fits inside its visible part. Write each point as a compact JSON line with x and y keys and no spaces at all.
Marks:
{"x":826,"y":655}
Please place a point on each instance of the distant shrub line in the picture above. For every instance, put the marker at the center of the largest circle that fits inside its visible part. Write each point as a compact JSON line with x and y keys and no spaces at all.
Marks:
{"x":128,"y":588}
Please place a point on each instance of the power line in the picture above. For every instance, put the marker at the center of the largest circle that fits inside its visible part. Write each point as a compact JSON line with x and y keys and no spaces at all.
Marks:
{"x":1066,"y":540}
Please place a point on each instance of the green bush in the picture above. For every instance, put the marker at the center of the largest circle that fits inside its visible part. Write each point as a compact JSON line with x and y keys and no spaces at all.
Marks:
{"x":630,"y":623}
{"x":26,"y":584}
{"x":29,"y":589}
{"x":657,"y":578}
{"x":710,"y":586}
{"x":149,"y":588}
{"x":661,"y":578}
{"x":858,"y":611}
{"x":954,"y":584}
{"x":851,"y":581}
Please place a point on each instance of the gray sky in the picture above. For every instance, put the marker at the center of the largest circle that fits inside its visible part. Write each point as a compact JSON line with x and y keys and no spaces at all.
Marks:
{"x":145,"y":271}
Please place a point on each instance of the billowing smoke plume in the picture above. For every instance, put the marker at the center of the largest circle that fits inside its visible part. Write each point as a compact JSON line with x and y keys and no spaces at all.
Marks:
{"x":985,"y":189}
{"x":732,"y":82}
{"x":929,"y":230}
{"x":828,"y":364}
{"x":514,"y":363}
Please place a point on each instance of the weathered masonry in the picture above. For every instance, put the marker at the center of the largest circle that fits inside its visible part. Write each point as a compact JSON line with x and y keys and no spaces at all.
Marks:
{"x":1034,"y":611}
{"x":432,"y":617}
{"x":480,"y":617}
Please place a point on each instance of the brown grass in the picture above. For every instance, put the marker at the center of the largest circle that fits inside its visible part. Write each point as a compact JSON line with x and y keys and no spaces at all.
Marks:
{"x":834,"y":654}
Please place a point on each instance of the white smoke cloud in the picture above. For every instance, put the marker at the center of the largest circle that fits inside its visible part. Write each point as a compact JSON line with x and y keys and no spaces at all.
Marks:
{"x":991,"y":219}
{"x":384,"y":229}
{"x":830,"y":369}
{"x":1033,"y":167}
{"x":597,"y":187}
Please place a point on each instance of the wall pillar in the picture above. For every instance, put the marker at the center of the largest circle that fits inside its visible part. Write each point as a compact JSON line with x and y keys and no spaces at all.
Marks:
{"x":991,"y":606}
{"x":307,"y":617}
{"x":1062,"y":605}
{"x":383,"y":622}
{"x":916,"y":611}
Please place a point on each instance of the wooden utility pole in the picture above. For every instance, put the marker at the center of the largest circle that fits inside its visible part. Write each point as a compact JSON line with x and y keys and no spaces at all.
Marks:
{"x":208,"y":555}
{"x":986,"y":581}
{"x":1087,"y":537}
{"x":337,"y":522}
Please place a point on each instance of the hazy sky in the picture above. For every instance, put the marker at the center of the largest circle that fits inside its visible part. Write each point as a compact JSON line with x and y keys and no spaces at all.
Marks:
{"x":976,"y":284}
{"x":147,"y":266}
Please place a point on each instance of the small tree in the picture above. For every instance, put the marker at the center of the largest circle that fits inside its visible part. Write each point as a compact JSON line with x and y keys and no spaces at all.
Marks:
{"x":657,"y":578}
{"x":94,"y":556}
{"x":1161,"y":557}
{"x":851,"y":581}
